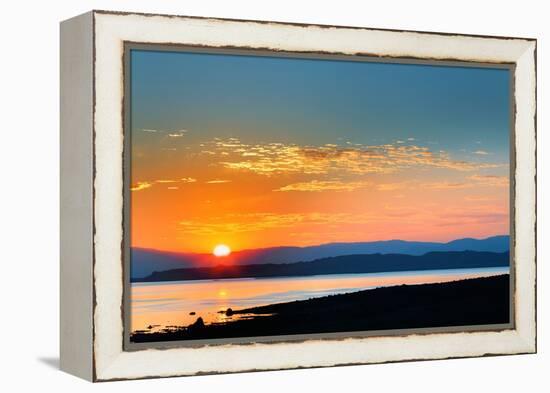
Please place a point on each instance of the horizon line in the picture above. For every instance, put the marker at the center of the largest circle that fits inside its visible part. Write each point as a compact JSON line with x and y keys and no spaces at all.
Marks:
{"x":324,"y":244}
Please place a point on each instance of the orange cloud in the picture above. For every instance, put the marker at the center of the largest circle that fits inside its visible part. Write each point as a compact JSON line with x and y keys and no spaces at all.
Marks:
{"x":491,"y":180}
{"x":472,"y":181}
{"x":446,"y":185}
{"x":240,"y":223}
{"x":478,"y":198}
{"x":391,"y":186}
{"x":148,"y":184}
{"x":478,"y":218}
{"x":253,"y":222}
{"x":165,"y":181}
{"x":319,"y":185}
{"x":218,"y":181}
{"x":141,"y":186}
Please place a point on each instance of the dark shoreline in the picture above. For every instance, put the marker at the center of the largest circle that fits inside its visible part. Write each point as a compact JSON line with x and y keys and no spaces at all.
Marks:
{"x":479,"y":301}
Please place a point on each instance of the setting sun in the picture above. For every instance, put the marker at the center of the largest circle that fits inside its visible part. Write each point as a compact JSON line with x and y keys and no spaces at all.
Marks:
{"x":221,"y":250}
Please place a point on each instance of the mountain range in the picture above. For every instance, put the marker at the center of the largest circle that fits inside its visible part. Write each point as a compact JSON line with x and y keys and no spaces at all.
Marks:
{"x":146,"y":261}
{"x":346,"y":264}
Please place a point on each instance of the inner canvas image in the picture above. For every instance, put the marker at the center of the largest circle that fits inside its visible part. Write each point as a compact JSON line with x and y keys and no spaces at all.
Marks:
{"x":275,"y":195}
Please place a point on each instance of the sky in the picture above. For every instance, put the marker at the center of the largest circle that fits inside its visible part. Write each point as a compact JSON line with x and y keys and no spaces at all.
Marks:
{"x":255,"y":152}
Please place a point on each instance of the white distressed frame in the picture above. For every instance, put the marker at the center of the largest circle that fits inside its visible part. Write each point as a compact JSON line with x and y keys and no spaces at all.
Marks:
{"x":111,"y":30}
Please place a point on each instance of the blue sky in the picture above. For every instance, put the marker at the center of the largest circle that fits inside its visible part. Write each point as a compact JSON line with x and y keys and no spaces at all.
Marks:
{"x":318,"y":101}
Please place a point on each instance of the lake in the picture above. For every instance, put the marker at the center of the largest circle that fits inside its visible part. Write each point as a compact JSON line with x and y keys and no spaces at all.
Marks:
{"x":162,"y":304}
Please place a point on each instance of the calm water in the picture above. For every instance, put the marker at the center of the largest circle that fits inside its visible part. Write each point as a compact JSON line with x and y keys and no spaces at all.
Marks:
{"x":170,"y":303}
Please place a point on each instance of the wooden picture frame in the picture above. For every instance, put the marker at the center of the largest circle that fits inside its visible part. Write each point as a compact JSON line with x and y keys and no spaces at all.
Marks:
{"x":94,"y":194}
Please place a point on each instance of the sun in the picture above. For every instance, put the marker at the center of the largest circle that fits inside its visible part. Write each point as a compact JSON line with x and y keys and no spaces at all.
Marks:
{"x":221,"y":250}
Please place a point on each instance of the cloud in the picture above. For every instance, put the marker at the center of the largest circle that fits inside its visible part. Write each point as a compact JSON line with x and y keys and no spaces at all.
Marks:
{"x":173,"y":134}
{"x":165,"y":181}
{"x":387,"y":216}
{"x":238,"y":223}
{"x":491,"y":180}
{"x":471,"y":181}
{"x":218,"y":181}
{"x":278,"y":158}
{"x":481,"y":152}
{"x":446,"y":185}
{"x":391,"y":186}
{"x":252,"y":222}
{"x":476,"y":198}
{"x":478,"y":218}
{"x":329,"y":185}
{"x":141,"y":186}
{"x":337,"y":185}
{"x":148,"y":184}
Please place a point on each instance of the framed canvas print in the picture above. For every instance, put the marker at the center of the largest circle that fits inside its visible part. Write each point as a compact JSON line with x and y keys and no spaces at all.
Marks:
{"x":245,"y":195}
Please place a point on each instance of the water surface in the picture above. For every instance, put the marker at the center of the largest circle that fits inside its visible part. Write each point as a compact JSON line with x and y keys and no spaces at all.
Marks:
{"x":162,"y":304}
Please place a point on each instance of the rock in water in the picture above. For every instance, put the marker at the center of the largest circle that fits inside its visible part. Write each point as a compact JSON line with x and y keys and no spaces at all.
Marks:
{"x":198,"y":324}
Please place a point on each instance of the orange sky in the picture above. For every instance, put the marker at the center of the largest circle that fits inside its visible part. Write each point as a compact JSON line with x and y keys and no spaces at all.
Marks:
{"x":262,"y":195}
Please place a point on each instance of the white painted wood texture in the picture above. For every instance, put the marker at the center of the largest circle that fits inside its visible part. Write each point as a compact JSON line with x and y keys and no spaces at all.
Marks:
{"x":76,"y":174}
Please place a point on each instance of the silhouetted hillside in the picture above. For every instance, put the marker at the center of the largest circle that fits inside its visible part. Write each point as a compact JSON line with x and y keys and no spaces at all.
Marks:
{"x":348,"y":264}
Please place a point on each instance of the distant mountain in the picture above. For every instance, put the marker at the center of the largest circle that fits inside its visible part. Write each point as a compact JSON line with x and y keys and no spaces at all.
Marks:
{"x":348,"y":264}
{"x":145,"y":261}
